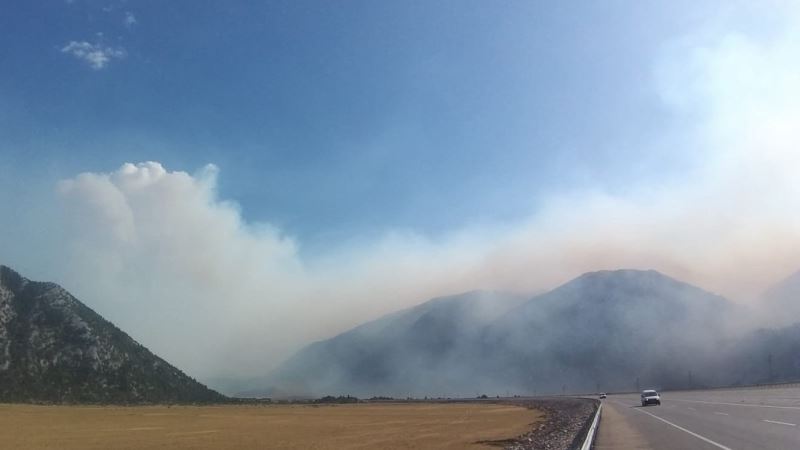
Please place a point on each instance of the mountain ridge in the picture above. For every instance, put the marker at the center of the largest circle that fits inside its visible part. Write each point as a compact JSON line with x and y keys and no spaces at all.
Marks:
{"x":426,"y":333}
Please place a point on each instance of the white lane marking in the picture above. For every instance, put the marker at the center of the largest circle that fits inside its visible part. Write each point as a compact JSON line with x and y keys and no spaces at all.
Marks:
{"x":689,"y":407}
{"x":721,"y":413}
{"x":703,"y":438}
{"x":781,"y":423}
{"x":735,"y":404}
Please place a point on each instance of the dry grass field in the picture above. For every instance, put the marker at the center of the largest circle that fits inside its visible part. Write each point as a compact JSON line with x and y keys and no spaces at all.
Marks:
{"x":340,"y":427}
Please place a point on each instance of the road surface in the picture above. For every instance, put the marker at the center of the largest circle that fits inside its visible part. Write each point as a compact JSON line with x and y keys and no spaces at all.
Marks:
{"x":735,"y":419}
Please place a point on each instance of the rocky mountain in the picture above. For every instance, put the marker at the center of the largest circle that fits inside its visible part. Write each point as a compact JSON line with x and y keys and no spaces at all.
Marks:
{"x":603,"y":330}
{"x":53,"y":348}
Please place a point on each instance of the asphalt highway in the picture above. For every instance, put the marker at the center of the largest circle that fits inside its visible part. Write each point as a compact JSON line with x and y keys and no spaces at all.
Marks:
{"x":735,"y":419}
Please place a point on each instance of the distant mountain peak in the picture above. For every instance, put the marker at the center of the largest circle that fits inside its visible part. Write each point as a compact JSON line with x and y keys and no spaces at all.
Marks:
{"x":10,"y":279}
{"x":629,"y":279}
{"x":626,"y":274}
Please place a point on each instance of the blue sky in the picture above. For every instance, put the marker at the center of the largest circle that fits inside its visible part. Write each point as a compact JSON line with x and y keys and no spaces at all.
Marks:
{"x":334,"y":119}
{"x":266,"y":174}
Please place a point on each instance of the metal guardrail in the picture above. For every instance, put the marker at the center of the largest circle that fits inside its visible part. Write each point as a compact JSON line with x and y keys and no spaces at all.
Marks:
{"x":590,"y":435}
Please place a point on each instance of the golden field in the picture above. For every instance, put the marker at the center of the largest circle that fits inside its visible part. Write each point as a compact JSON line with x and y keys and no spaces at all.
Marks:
{"x":329,"y":427}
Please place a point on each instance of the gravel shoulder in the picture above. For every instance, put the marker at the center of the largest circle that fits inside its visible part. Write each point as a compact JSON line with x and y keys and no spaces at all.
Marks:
{"x":563,"y":426}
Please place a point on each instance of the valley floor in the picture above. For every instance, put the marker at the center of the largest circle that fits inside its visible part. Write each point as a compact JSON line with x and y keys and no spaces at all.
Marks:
{"x":362,"y":426}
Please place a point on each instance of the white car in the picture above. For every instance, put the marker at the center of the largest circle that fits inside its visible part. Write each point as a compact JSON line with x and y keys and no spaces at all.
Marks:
{"x":650,"y":397}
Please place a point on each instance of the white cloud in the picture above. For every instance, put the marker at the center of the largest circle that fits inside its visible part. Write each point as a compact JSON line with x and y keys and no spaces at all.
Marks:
{"x":130,"y":19}
{"x":97,"y":55}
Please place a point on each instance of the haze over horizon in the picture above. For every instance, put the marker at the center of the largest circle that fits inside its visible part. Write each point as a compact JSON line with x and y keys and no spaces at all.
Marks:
{"x":230,"y":182}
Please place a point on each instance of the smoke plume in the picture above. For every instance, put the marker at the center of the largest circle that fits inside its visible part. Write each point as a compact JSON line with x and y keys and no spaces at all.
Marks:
{"x":163,"y":256}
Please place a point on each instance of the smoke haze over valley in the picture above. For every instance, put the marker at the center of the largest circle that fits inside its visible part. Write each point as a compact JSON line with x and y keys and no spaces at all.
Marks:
{"x":225,"y":287}
{"x":603,"y":331}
